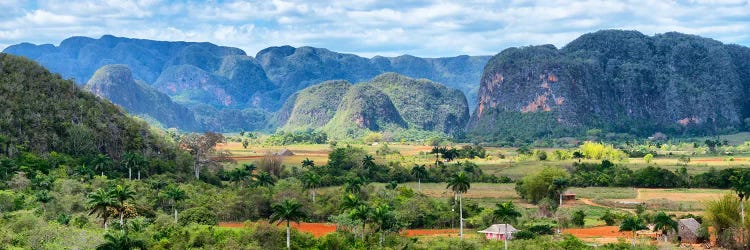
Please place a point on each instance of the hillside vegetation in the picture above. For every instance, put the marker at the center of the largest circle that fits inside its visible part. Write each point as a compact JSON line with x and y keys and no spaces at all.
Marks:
{"x":390,"y":102}
{"x":43,"y":113}
{"x":616,"y":81}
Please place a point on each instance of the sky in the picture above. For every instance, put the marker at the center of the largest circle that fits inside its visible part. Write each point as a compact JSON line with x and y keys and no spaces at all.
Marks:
{"x":368,"y":27}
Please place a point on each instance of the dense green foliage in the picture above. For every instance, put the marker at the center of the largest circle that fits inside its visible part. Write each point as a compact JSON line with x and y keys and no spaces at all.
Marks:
{"x":390,"y":103}
{"x":210,"y":79}
{"x":116,"y":84}
{"x":47,"y":122}
{"x":308,"y":136}
{"x":616,"y":81}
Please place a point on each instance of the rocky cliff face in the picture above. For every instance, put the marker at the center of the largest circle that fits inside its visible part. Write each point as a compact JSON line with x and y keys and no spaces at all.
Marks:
{"x":619,"y":81}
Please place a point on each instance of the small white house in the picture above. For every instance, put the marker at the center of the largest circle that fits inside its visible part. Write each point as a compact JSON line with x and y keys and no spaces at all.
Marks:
{"x":498,"y":232}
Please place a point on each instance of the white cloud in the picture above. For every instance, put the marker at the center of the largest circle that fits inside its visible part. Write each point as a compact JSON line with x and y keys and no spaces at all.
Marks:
{"x":418,"y":27}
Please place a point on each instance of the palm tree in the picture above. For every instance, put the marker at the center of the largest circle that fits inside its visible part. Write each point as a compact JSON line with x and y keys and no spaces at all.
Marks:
{"x":353,"y":185}
{"x":559,"y":185}
{"x":460,"y":184}
{"x":311,"y":181}
{"x":506,"y":213}
{"x":264,"y":179}
{"x":632,"y":223}
{"x":175,"y":194}
{"x":382,"y":215}
{"x":44,"y":197}
{"x":419,"y":171}
{"x":663,"y":222}
{"x":121,"y":194}
{"x":120,"y":241}
{"x":288,"y":210}
{"x":308,"y":163}
{"x":101,"y":162}
{"x":101,"y":202}
{"x":350,"y":201}
{"x":740,"y":182}
{"x":362,"y":213}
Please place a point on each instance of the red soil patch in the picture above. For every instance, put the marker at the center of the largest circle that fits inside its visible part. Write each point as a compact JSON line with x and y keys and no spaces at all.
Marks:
{"x":245,"y":157}
{"x":316,"y":229}
{"x":606,"y":231}
{"x":426,"y":232}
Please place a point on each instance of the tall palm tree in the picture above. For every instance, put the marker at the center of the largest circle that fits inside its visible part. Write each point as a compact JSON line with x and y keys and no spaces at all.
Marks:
{"x":362,"y":213}
{"x":740,"y":182}
{"x":311,"y":181}
{"x":460,"y":184}
{"x":121,"y":194}
{"x":120,"y":241}
{"x":663,"y":222}
{"x":350,"y":201}
{"x":264,"y":179}
{"x":101,"y":202}
{"x":353,"y":185}
{"x":632,"y":223}
{"x":101,"y":162}
{"x":175,"y":194}
{"x":308,"y":163}
{"x":288,"y":210}
{"x":506,"y":213}
{"x":419,"y":171}
{"x":382,"y":215}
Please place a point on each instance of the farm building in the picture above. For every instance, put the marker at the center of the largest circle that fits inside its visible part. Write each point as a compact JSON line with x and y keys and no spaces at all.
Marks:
{"x":568,"y":196}
{"x":498,"y":232}
{"x":285,"y":152}
{"x":687,"y":230}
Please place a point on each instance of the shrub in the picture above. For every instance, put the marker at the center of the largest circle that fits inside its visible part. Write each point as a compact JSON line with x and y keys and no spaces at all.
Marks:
{"x":200,"y":215}
{"x":524,"y":235}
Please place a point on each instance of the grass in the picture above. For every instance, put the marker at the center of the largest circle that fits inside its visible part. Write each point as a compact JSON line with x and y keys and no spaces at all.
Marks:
{"x":604,"y":192}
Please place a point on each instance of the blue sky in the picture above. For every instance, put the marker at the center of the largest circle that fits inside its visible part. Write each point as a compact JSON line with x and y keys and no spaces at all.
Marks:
{"x":367,"y":27}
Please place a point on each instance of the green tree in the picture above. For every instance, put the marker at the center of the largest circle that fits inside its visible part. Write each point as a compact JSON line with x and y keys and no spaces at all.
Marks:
{"x":311,"y":181}
{"x":44,"y":197}
{"x":121,"y":194}
{"x":131,"y":160}
{"x":648,"y":158}
{"x":361,"y":213}
{"x":579,"y":218}
{"x":419,"y":171}
{"x":460,"y":184}
{"x":101,"y":202}
{"x":202,"y":148}
{"x":350,"y":201}
{"x":506,"y":213}
{"x":383,"y":215}
{"x":287,"y":211}
{"x":308,"y":163}
{"x":542,"y":185}
{"x":353,"y":185}
{"x":120,"y":241}
{"x":264,"y":179}
{"x":608,"y":217}
{"x":175,"y":194}
{"x":740,"y":182}
{"x":633,"y":224}
{"x":663,"y":222}
{"x":101,"y":163}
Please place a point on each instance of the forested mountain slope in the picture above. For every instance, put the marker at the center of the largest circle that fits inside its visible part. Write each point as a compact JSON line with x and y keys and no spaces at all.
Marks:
{"x":389,"y":102}
{"x":42,"y":113}
{"x":618,"y":81}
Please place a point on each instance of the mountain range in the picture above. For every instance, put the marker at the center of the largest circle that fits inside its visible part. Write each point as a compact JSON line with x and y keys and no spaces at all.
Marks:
{"x":224,"y":88}
{"x":621,"y":82}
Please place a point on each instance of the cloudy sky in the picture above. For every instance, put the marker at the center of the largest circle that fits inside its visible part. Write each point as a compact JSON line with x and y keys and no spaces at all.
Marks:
{"x":369,"y":27}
